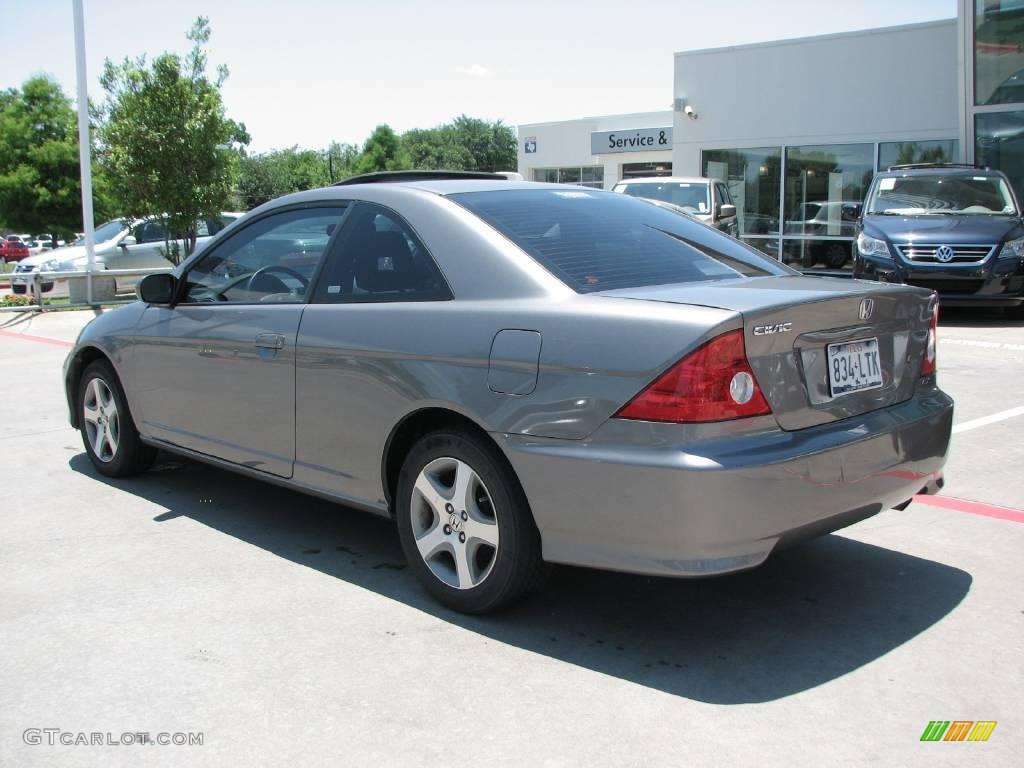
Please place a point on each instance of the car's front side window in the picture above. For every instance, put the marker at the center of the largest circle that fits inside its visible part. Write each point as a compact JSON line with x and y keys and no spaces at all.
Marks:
{"x":273,"y":259}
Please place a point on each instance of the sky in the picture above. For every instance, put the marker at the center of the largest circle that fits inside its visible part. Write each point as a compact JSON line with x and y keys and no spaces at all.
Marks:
{"x":308,"y":72}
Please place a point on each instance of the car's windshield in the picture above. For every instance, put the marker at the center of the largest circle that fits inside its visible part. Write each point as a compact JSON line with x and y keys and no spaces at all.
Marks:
{"x":692,"y":195}
{"x":598,"y":241}
{"x":982,"y":194}
{"x":108,"y":231}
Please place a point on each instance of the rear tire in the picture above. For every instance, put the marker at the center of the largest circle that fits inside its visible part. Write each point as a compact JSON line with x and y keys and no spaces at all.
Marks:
{"x":108,"y":431}
{"x":464,"y":523}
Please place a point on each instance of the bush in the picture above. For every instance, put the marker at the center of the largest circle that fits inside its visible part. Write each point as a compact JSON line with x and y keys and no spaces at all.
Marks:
{"x":12,"y":300}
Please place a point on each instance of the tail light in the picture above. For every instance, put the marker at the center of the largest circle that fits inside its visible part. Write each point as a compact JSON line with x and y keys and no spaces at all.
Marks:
{"x":712,"y":383}
{"x":928,"y":364}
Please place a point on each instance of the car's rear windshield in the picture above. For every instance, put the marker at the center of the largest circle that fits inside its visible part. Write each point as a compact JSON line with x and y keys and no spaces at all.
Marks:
{"x":934,"y":193}
{"x":600,"y":241}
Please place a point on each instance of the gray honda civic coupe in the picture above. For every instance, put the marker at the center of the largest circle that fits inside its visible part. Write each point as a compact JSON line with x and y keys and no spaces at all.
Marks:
{"x":521,"y":374}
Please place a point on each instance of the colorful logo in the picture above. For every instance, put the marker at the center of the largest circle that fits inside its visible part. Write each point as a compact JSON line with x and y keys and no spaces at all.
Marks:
{"x":958,"y":730}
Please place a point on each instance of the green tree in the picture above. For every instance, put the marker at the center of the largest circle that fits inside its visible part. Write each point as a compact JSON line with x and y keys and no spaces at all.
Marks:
{"x":491,"y":145}
{"x":166,"y":139}
{"x":436,"y":149}
{"x":40,"y":179}
{"x":264,"y":176}
{"x":382,"y":152}
{"x":466,"y":143}
{"x":340,"y":160}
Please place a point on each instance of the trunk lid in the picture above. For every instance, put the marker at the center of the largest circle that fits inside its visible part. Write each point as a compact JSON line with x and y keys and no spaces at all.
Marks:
{"x":790,"y":322}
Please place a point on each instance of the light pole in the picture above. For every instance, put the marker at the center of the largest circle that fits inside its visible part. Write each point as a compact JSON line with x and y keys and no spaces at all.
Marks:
{"x":84,"y":150}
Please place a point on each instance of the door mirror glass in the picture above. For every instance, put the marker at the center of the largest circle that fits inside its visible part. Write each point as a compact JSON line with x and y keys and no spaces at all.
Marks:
{"x":157,"y":289}
{"x":726,"y":211}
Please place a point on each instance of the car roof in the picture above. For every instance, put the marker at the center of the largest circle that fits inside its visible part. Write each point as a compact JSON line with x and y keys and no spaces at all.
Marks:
{"x":456,"y":186}
{"x":941,"y":170}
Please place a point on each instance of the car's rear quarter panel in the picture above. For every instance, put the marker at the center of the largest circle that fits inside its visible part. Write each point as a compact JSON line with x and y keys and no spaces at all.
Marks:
{"x":362,"y":368}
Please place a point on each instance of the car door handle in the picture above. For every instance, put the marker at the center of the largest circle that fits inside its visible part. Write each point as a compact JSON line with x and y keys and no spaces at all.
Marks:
{"x":270,"y":341}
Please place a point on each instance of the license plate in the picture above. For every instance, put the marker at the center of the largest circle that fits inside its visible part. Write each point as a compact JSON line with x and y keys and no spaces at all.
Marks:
{"x":853,"y":366}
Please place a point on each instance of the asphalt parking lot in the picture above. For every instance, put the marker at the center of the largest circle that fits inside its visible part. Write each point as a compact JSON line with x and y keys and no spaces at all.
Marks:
{"x":287,"y":630}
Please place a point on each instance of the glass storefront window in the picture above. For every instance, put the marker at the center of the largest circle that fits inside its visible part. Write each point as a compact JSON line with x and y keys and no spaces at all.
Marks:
{"x":593,"y":176}
{"x":905,"y":152}
{"x":999,"y":143}
{"x":818,"y":254}
{"x":767,"y":245}
{"x":824,"y":193}
{"x":998,"y":52}
{"x":752,"y":178}
{"x":586,"y":176}
{"x":569,"y":176}
{"x":641,"y":170}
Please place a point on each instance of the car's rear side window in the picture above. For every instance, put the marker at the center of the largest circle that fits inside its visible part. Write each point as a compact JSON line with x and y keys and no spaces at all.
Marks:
{"x":600,"y":241}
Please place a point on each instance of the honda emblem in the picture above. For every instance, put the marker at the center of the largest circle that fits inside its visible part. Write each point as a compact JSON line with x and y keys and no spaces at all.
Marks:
{"x":867,"y":307}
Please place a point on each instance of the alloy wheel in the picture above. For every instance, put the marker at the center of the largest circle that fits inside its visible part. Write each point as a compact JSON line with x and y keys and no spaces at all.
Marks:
{"x":454,"y":523}
{"x":102,"y":426}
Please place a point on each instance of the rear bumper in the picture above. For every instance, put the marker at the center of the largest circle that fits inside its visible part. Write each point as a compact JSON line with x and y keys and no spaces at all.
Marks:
{"x":630,"y":499}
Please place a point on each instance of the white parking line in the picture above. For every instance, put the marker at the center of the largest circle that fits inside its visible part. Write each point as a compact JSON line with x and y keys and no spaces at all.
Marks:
{"x":1003,"y":345}
{"x":986,"y":420}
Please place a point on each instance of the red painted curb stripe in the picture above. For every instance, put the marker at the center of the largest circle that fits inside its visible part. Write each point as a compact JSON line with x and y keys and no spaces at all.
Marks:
{"x":40,"y":339}
{"x":974,"y":507}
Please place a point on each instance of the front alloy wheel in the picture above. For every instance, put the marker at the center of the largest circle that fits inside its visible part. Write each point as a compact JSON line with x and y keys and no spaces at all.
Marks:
{"x":108,"y":431}
{"x":100,"y":420}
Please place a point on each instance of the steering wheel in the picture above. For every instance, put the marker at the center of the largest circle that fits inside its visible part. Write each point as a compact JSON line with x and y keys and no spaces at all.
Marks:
{"x":276,"y":268}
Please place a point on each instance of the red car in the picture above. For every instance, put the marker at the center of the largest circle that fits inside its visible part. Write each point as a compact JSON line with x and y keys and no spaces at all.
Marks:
{"x":13,"y":249}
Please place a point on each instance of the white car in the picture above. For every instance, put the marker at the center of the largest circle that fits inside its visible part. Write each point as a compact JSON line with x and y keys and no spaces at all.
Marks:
{"x":120,"y":244}
{"x":707,"y":200}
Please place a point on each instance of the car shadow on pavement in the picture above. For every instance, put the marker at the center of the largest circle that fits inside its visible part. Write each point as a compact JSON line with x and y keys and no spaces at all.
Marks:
{"x":808,"y":616}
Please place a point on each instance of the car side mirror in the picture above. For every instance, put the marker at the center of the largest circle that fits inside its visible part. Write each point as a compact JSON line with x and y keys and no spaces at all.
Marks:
{"x":127,"y":240}
{"x":157,"y":289}
{"x":726,"y":211}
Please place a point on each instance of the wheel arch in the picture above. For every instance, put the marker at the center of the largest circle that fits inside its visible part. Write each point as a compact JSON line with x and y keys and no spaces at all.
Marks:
{"x":412,"y":427}
{"x":83,"y":357}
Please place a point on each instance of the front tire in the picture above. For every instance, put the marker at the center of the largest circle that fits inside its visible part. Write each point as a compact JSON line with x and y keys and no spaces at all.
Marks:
{"x":464,"y":523}
{"x":836,"y":255}
{"x":108,"y":431}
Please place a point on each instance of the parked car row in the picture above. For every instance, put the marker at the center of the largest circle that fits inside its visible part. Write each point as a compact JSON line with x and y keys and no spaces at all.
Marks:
{"x":957,"y":230}
{"x":119,"y":244}
{"x":18,"y":247}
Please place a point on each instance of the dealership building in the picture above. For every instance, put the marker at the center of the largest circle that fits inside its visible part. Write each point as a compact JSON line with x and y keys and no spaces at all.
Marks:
{"x":797,"y":128}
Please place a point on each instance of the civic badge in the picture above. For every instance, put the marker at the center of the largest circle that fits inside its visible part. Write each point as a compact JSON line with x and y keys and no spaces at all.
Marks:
{"x":867,"y":308}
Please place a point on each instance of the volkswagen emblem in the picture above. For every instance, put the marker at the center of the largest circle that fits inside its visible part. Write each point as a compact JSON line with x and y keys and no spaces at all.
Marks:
{"x":944,"y":254}
{"x":867,"y":308}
